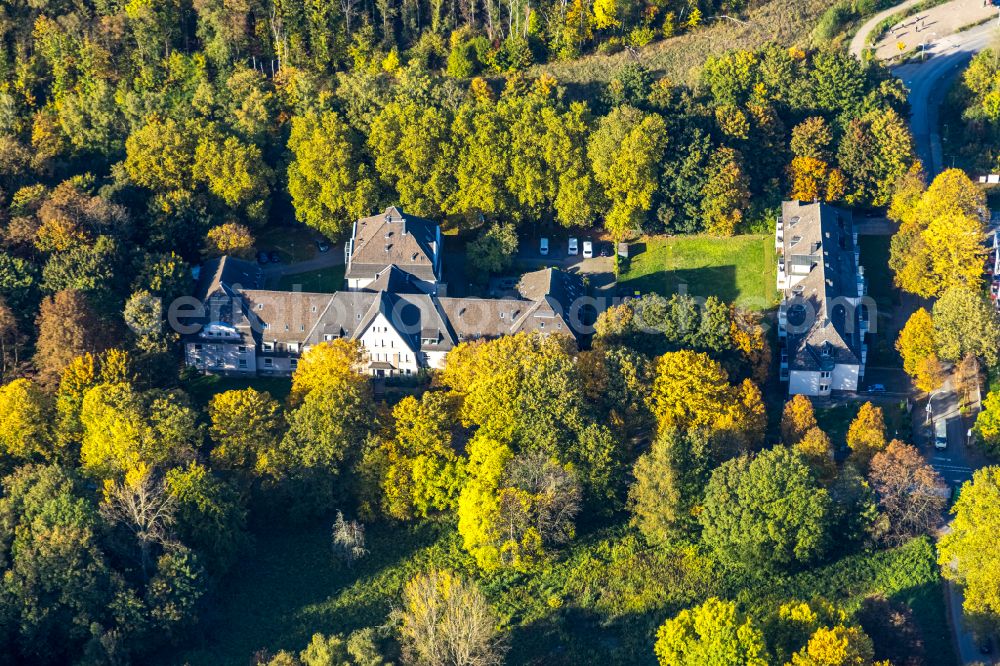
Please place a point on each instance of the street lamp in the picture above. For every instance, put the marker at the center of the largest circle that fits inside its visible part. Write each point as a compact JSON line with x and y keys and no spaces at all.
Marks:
{"x":923,"y":46}
{"x":930,"y":401}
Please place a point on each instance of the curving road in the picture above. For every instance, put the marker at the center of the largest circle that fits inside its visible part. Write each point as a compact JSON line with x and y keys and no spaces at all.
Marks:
{"x":861,"y":36}
{"x":929,"y":82}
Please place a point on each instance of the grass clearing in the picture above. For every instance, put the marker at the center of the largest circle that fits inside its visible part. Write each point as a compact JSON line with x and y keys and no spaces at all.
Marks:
{"x":600,"y":603}
{"x":293,"y":243}
{"x":835,"y":421}
{"x":786,"y":22}
{"x":201,"y":388}
{"x":322,"y":281}
{"x":739,"y":269}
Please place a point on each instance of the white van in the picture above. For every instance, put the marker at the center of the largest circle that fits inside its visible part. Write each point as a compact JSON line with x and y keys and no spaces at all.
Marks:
{"x":940,"y":434}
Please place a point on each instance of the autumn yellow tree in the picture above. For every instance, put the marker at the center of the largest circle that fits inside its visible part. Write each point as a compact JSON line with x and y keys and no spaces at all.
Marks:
{"x":816,"y":447}
{"x":939,"y":244}
{"x":866,"y":435}
{"x":836,"y":646}
{"x":797,"y":419}
{"x":246,"y":426}
{"x":751,"y":341}
{"x":229,"y":238}
{"x":25,"y":421}
{"x":327,"y":366}
{"x":916,"y":346}
{"x":691,"y":389}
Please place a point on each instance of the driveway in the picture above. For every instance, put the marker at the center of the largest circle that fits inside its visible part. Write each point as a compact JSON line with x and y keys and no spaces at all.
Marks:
{"x":599,"y":271}
{"x":332,"y":257}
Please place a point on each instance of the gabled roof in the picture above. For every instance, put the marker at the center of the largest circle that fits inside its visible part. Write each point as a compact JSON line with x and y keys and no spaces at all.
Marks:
{"x":225,"y":273}
{"x":393,"y":238}
{"x":394,"y":280}
{"x":821,"y":238}
{"x":219,"y":282}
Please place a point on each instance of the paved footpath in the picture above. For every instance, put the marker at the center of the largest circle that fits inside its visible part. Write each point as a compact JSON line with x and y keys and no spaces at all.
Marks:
{"x":861,"y":36}
{"x":924,"y":28}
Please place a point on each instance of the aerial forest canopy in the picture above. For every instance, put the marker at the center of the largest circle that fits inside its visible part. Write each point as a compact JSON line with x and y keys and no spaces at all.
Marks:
{"x":534,"y":501}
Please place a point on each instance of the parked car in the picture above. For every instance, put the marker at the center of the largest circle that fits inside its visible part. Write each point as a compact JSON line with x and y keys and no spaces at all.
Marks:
{"x":588,"y":250}
{"x":574,"y":247}
{"x":262,"y":257}
{"x":274,"y":257}
{"x":876,"y":388}
{"x":940,"y":434}
{"x":543,"y":246}
{"x":322,"y":246}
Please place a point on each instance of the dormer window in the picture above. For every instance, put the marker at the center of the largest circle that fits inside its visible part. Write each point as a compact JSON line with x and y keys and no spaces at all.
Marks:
{"x":260,"y":306}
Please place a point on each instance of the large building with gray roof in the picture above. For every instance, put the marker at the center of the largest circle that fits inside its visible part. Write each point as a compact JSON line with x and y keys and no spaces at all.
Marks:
{"x":396,"y":311}
{"x":823,"y":319}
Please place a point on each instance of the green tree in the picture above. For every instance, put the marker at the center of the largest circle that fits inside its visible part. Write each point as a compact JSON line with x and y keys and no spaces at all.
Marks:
{"x":625,"y":151}
{"x":967,"y":553}
{"x":713,"y":633}
{"x":56,"y":580}
{"x":965,"y":323}
{"x":767,"y":511}
{"x":725,"y":193}
{"x":209,"y":516}
{"x":876,"y":151}
{"x":328,"y":179}
{"x":422,"y":473}
{"x":669,"y":484}
{"x":494,"y":250}
{"x":410,"y":145}
{"x":987,"y":426}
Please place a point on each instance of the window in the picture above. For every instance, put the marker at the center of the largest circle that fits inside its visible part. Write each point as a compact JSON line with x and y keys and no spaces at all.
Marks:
{"x":268,"y":362}
{"x":823,"y":388}
{"x":824,"y":375}
{"x":294,"y":363}
{"x":268,"y":346}
{"x":260,"y":306}
{"x":243,"y":363}
{"x":541,"y":324}
{"x":197,"y":347}
{"x":241,"y":349}
{"x":218,"y":363}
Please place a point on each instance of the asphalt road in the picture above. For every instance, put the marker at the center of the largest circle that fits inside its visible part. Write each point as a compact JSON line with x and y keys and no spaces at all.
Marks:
{"x":929,"y":82}
{"x":858,"y":42}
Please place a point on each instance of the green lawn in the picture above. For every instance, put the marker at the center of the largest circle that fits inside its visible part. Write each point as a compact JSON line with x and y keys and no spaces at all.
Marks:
{"x":293,"y":243}
{"x":600,"y":603}
{"x":201,"y":388}
{"x":836,"y":420}
{"x":323,"y":281}
{"x":740,"y":268}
